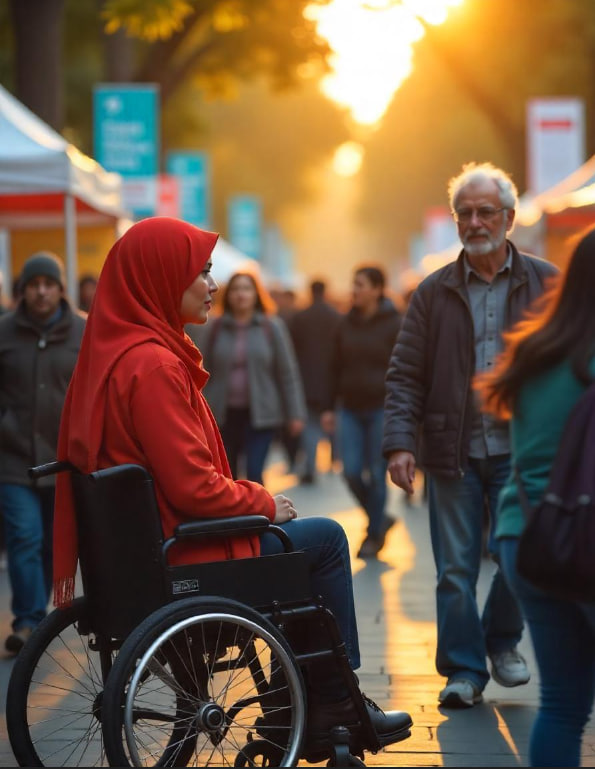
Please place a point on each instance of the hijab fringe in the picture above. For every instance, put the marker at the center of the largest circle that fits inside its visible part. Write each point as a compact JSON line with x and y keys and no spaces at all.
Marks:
{"x":64,"y":592}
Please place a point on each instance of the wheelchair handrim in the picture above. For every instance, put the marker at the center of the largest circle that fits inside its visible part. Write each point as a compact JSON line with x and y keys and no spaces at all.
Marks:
{"x":247,"y":624}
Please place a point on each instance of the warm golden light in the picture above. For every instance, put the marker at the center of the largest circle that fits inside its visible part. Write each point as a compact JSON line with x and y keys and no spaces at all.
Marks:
{"x":348,"y":159}
{"x":372,"y":48}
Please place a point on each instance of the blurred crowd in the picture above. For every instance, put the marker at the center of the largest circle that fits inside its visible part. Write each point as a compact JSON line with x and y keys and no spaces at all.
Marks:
{"x":466,"y":378}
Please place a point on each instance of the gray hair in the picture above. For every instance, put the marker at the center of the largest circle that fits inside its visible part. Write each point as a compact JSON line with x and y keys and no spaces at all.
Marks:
{"x":473,"y":172}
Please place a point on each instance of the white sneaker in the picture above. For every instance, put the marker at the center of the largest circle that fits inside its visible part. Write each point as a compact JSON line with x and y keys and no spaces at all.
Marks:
{"x":509,"y":668}
{"x":460,"y":693}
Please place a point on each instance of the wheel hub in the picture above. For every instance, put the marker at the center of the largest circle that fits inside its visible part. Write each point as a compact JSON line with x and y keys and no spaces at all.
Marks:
{"x":210,"y":717}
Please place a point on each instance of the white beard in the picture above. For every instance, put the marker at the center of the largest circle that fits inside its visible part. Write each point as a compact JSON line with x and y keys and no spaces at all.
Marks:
{"x":489,"y":245}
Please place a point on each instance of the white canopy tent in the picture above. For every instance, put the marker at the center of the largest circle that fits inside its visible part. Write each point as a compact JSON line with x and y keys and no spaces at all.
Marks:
{"x":44,"y":179}
{"x":227,"y":259}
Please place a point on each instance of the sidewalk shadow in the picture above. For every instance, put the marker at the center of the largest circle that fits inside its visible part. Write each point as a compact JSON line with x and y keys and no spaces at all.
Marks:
{"x":499,"y":733}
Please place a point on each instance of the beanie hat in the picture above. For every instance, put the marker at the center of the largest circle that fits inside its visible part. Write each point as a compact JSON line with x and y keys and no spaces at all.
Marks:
{"x":43,"y":263}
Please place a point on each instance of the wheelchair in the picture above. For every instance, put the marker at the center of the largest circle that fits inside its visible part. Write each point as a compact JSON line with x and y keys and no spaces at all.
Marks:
{"x":159,"y":665}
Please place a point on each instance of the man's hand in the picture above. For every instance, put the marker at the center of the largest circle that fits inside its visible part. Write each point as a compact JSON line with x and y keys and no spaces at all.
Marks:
{"x":401,"y":466}
{"x":327,"y":422}
{"x":295,"y":427}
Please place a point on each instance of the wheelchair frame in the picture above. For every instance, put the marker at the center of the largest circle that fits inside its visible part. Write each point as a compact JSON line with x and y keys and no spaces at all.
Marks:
{"x":142,"y":617}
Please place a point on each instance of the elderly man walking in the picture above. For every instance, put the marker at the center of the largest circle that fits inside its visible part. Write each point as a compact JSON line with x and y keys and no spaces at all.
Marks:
{"x":452,"y":330}
{"x":39,"y":343}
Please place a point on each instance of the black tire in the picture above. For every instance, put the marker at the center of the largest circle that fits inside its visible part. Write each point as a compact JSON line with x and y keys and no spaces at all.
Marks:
{"x":54,"y":695}
{"x":197,"y":681}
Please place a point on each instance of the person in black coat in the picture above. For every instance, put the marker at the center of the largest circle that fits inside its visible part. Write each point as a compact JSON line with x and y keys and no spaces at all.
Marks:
{"x":363,"y":343}
{"x":312,"y":330}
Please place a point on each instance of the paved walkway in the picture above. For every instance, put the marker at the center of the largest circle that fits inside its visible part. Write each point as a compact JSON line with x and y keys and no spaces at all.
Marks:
{"x":395,"y":605}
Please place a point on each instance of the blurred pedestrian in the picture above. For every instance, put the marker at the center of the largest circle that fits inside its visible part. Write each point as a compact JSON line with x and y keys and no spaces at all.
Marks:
{"x":3,"y":561}
{"x":363,"y":342}
{"x":254,"y":386}
{"x":87,"y":287}
{"x":548,"y":362}
{"x":3,"y":307}
{"x":453,"y":329}
{"x":39,"y":343}
{"x":312,"y":331}
{"x":286,"y":301}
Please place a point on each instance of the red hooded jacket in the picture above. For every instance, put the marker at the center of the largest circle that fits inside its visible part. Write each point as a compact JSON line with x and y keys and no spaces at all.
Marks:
{"x":136,"y":397}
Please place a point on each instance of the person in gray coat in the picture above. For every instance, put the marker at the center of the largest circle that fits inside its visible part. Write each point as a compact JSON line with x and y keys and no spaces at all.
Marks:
{"x":255,"y":386}
{"x":39,"y":344}
{"x":451,"y":331}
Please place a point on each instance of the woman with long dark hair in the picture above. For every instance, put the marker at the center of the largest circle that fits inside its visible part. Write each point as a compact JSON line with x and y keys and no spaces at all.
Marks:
{"x":548,"y":362}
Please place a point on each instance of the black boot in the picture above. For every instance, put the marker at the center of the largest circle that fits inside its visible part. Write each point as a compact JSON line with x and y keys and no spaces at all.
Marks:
{"x":390,"y":726}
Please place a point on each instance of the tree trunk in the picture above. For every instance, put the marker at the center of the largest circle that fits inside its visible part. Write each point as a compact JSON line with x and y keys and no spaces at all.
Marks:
{"x":118,"y":54}
{"x":38,"y":57}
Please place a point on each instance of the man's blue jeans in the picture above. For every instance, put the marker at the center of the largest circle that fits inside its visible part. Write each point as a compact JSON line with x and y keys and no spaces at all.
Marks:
{"x":28,"y":520}
{"x":364,"y":466}
{"x":326,"y":546}
{"x":457,"y":510}
{"x":563,"y":637}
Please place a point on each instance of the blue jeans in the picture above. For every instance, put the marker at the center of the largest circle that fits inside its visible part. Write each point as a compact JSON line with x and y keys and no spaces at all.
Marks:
{"x":563,"y":638}
{"x":326,"y":546}
{"x":364,"y":466}
{"x":457,"y":509}
{"x":242,"y":440}
{"x":28,"y":521}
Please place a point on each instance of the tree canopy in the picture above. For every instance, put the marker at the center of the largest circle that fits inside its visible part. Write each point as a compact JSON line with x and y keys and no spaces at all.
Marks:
{"x":239,"y":78}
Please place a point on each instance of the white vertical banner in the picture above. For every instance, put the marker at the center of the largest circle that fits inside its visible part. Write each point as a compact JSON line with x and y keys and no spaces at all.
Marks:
{"x":440,"y":231}
{"x":555,"y":141}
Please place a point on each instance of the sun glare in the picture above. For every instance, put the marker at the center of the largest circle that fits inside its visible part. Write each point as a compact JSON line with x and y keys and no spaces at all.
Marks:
{"x":347,"y":159}
{"x":372,"y":48}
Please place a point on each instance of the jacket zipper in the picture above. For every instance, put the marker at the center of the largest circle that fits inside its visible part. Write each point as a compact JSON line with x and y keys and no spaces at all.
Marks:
{"x":466,"y":391}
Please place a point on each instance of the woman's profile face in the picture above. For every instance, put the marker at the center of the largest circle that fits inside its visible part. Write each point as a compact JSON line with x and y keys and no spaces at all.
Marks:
{"x":197,"y":300}
{"x":364,"y":295}
{"x":241,"y":294}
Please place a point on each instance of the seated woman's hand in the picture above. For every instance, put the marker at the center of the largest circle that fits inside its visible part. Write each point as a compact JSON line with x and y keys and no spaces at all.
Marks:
{"x":284,"y":509}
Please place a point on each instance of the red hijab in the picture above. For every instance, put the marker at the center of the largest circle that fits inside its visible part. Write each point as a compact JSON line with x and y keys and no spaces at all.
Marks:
{"x":138,"y":299}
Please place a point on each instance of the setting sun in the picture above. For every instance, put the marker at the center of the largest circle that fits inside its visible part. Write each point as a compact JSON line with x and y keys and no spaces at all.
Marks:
{"x":372,"y":48}
{"x":348,"y":159}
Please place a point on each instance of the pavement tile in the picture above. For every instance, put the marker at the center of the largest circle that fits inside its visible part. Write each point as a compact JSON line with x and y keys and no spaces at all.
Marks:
{"x":396,"y":616}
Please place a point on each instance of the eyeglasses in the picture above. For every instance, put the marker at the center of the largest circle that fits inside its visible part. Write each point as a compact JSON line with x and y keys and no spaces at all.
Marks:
{"x":484,"y":214}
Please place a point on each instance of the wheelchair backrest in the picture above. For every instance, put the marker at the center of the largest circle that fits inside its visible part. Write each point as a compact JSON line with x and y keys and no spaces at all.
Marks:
{"x":120,"y":547}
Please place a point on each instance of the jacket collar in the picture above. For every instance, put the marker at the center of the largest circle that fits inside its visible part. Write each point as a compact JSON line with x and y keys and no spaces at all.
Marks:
{"x":23,"y":319}
{"x":454,"y":273}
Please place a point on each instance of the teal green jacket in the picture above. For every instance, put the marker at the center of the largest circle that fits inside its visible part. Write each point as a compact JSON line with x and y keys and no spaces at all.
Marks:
{"x":536,"y":428}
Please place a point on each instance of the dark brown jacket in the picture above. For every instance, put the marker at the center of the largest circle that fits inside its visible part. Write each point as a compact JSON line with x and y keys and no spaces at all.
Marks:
{"x":35,"y":369}
{"x":428,"y":383}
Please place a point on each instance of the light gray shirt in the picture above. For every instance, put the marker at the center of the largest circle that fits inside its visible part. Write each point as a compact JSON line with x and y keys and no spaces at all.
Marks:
{"x":489,"y":436}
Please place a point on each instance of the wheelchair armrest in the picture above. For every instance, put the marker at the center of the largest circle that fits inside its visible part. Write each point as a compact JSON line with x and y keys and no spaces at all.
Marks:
{"x":217,"y":527}
{"x":51,"y":468}
{"x":239,"y":524}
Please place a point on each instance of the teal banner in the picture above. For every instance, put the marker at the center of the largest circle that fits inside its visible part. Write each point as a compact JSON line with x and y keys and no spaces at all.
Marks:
{"x":192,"y":169}
{"x":244,"y":221}
{"x":126,"y":140}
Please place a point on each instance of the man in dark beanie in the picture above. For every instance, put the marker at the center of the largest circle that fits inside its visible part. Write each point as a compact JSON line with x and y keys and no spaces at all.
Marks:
{"x":39,"y":343}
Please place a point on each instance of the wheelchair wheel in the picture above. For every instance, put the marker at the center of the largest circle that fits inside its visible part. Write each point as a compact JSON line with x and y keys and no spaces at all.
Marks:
{"x":204,"y":682}
{"x":53,"y":702}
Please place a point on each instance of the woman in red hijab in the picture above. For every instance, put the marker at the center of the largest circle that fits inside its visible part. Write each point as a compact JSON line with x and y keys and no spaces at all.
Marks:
{"x":136,"y":397}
